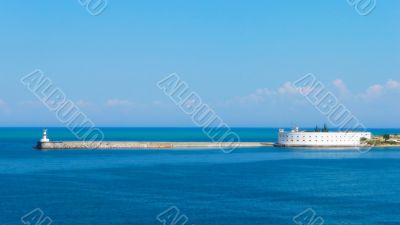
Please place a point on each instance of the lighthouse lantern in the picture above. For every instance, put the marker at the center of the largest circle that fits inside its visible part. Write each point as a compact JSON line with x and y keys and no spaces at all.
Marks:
{"x":44,"y":138}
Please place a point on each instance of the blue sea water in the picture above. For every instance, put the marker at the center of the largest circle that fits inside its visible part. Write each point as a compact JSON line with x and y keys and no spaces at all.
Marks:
{"x":247,"y":186}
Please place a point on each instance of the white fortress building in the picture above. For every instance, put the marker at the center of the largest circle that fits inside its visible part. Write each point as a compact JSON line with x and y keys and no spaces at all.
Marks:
{"x":297,"y":138}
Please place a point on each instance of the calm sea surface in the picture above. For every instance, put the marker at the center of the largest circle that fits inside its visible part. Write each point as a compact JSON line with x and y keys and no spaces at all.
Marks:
{"x":248,"y":186}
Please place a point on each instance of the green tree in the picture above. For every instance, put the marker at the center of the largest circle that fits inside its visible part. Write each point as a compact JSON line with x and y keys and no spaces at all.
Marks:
{"x":386,"y":137}
{"x":325,"y":128}
{"x":363,"y":139}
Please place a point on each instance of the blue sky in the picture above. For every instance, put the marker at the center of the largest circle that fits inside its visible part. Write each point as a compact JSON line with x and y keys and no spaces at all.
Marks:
{"x":241,"y":57}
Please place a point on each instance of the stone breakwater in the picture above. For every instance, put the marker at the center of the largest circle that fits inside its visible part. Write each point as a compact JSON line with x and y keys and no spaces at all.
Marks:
{"x":144,"y":145}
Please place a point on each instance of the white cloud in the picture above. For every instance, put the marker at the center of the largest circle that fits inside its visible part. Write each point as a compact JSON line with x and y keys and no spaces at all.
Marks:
{"x":257,"y":96}
{"x":288,"y":88}
{"x":262,"y":94}
{"x":117,"y":103}
{"x":340,"y":86}
{"x":251,"y":98}
{"x":375,"y":89}
{"x":393,"y":84}
{"x":82,"y":103}
{"x":157,"y":102}
{"x":263,"y":91}
{"x":378,"y":90}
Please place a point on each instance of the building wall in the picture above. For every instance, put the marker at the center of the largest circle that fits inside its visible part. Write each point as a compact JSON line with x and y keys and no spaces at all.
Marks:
{"x":321,"y":138}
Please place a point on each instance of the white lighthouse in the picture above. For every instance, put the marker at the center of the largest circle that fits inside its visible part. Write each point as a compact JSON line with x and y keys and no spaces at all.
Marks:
{"x":44,"y":138}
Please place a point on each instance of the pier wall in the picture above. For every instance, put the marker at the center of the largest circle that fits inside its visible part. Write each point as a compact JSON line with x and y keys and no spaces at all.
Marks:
{"x":143,"y":145}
